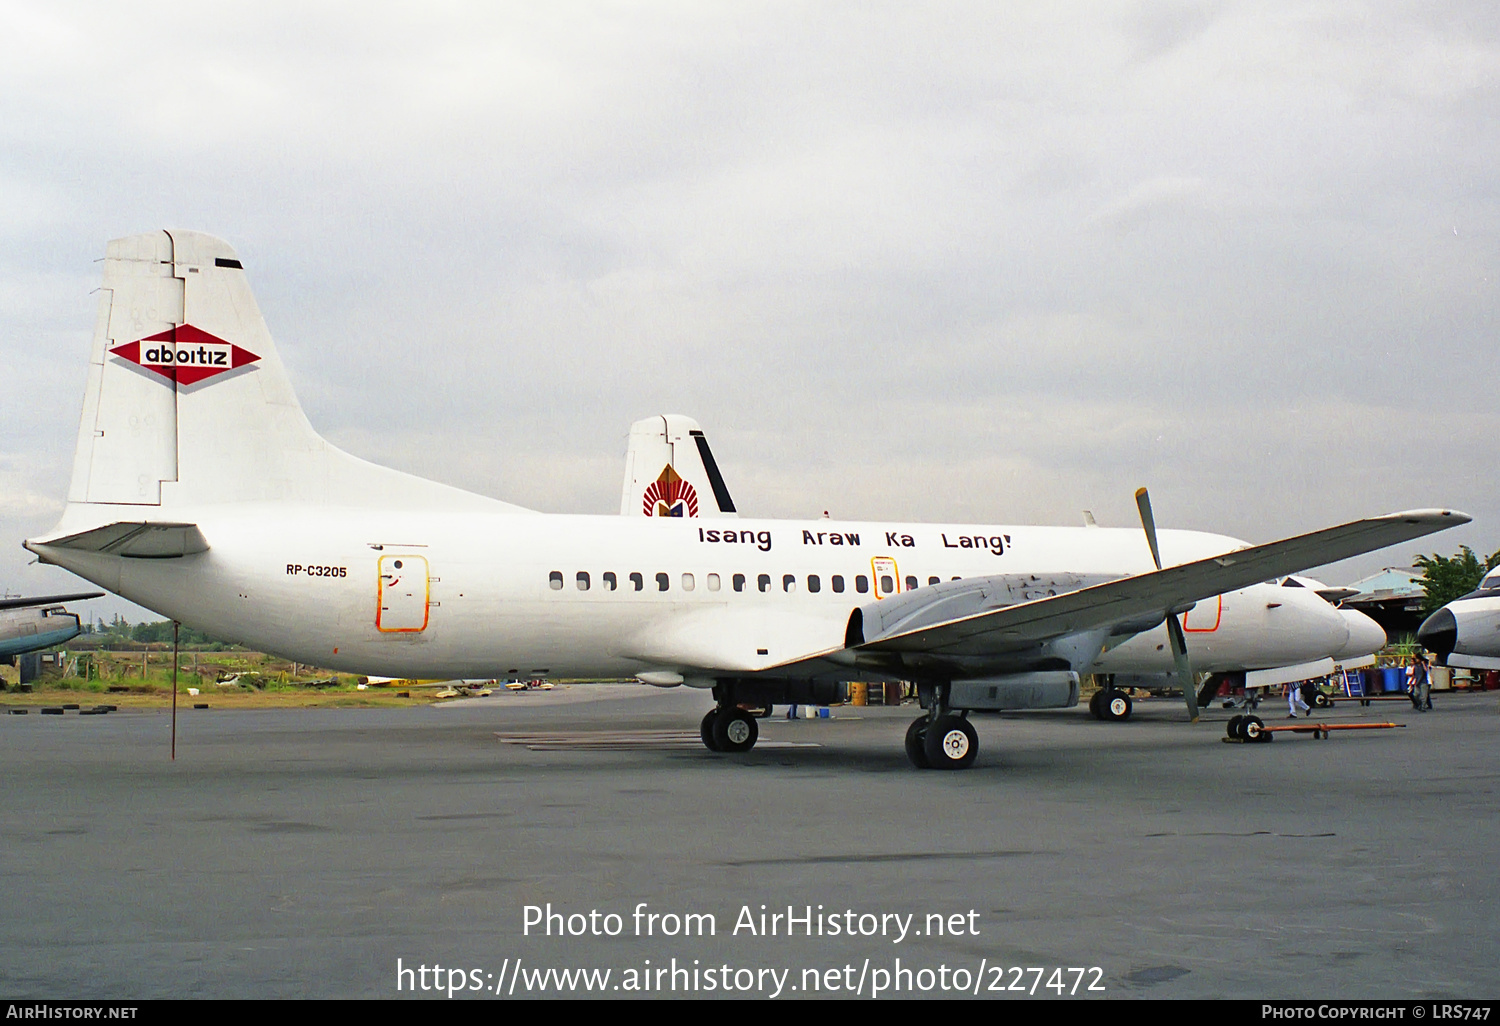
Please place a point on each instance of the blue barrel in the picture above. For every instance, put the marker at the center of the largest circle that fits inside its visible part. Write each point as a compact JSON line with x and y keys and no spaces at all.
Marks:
{"x":1395,"y":678}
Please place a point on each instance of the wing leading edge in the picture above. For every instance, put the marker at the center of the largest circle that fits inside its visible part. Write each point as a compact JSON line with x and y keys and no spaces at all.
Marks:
{"x":975,"y":616}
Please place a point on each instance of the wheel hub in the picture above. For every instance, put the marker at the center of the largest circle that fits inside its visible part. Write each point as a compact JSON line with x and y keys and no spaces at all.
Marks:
{"x":955,"y":744}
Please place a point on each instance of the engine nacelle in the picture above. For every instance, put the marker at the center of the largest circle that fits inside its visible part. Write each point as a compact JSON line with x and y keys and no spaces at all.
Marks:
{"x":1044,"y":689}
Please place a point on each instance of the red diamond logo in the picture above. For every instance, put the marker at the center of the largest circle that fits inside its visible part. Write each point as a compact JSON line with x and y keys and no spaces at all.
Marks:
{"x":185,"y":355}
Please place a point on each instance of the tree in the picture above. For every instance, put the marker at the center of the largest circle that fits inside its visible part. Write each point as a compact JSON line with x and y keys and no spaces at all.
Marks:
{"x":1445,"y":578}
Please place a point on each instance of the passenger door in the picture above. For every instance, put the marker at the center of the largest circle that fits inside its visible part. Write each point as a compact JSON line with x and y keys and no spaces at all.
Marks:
{"x":403,"y":594}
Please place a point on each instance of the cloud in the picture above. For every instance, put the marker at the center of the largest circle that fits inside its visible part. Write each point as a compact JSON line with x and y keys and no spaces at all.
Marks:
{"x":975,"y":262}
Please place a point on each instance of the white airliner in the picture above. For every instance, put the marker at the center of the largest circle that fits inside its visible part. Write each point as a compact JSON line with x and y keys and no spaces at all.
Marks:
{"x":200,"y":491}
{"x":678,"y":446}
{"x":1466,"y":632}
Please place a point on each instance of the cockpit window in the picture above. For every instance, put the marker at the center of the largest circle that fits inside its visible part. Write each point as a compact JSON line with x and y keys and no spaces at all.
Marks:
{"x":1292,"y":582}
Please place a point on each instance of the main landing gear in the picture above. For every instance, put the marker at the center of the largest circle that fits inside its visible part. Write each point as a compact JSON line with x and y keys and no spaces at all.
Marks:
{"x":942,"y":739}
{"x":729,"y":729}
{"x":1109,"y":703}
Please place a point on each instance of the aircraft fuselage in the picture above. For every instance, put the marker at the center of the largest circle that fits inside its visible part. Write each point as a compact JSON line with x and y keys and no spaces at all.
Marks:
{"x":477,"y":595}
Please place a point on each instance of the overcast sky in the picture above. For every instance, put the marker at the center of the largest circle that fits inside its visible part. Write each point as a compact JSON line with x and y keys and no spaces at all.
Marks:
{"x":965,"y":262}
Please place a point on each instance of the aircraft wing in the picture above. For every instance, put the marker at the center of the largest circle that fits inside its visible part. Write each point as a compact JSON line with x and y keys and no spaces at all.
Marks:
{"x":975,"y":616}
{"x":47,"y":600}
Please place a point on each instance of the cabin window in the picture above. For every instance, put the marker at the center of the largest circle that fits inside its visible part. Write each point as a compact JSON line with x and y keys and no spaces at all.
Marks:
{"x":554,"y":580}
{"x":688,"y":584}
{"x":861,"y":584}
{"x":886,"y":584}
{"x":638,"y":581}
{"x":583,"y":580}
{"x":663,"y":582}
{"x":813,"y":584}
{"x":934,"y":580}
{"x":911,"y":584}
{"x":789,"y":582}
{"x":607,"y":579}
{"x":713,"y":582}
{"x":764,"y":582}
{"x":739,"y":582}
{"x":838,"y":583}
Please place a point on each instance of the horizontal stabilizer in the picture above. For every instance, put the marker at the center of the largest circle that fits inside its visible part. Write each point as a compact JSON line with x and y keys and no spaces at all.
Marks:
{"x":136,"y":539}
{"x":47,"y":600}
{"x":973,"y":616}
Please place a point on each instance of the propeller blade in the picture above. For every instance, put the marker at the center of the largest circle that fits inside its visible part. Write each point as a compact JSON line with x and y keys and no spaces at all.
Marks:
{"x":1184,"y":668}
{"x":1143,"y":503}
{"x":1174,"y":626}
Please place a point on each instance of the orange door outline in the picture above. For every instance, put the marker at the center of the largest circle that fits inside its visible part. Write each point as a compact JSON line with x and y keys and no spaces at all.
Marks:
{"x":397,"y":593}
{"x":1200,"y":614}
{"x":879,"y":563}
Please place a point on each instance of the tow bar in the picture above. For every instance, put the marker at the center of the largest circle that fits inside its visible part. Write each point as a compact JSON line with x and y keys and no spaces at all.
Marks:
{"x":1241,"y":729}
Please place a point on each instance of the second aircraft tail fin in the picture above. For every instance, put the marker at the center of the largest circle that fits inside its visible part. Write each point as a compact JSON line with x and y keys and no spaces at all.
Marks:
{"x":670,"y":471}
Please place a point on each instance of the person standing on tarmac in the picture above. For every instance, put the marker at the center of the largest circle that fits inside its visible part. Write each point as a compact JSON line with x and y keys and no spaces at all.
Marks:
{"x":1294,"y":699}
{"x":1419,"y":683}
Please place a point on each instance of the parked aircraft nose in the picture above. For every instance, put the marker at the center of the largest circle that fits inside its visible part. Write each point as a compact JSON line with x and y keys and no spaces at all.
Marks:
{"x":1439,"y":633}
{"x":1366,"y":637}
{"x":1312,"y":629}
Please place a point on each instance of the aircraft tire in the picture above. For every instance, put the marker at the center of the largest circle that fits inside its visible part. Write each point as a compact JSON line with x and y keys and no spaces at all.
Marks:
{"x":1094,"y":710}
{"x":1321,"y":700}
{"x":951,"y":743}
{"x":735,"y":731}
{"x":1254,"y":729}
{"x":706,"y":730}
{"x":1116,"y":706}
{"x":1232,"y":728}
{"x":916,"y":737}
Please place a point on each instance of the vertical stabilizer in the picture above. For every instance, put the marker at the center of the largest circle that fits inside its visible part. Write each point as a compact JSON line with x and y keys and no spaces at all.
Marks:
{"x":670,"y":471}
{"x":188,"y":403}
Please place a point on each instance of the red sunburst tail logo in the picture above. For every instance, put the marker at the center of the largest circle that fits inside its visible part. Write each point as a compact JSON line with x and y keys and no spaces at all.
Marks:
{"x":670,"y":496}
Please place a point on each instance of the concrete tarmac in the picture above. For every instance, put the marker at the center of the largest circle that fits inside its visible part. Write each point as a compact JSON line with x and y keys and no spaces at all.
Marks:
{"x":303,"y":853}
